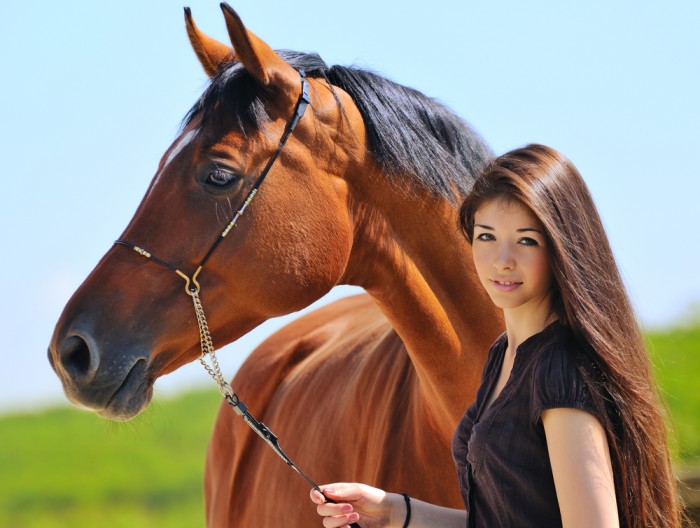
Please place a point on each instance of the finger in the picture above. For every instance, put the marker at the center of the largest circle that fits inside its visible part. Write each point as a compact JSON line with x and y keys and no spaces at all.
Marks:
{"x":340,"y":520}
{"x":342,"y":492}
{"x":316,"y":496}
{"x":329,"y":509}
{"x":328,"y":495}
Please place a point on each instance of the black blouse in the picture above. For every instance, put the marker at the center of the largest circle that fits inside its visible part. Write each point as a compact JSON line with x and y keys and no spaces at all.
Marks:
{"x":501,"y":452}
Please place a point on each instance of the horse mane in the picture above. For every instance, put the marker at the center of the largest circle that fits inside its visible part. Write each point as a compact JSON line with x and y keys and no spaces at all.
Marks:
{"x":414,"y":139}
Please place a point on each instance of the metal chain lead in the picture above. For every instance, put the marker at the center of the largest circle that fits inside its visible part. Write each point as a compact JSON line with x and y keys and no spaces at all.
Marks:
{"x":231,"y":397}
{"x":208,"y":347}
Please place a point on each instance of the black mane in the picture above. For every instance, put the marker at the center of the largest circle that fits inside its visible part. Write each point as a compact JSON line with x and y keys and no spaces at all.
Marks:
{"x":414,"y":139}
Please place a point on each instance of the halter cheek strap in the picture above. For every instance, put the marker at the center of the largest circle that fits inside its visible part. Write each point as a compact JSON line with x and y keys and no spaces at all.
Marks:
{"x":303,"y":101}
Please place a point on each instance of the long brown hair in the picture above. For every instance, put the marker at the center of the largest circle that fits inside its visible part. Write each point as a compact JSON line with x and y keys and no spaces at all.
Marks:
{"x":590,"y":298}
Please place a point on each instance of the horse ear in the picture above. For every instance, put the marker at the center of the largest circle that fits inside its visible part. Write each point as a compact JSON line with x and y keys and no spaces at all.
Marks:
{"x":211,"y":53}
{"x":258,"y":58}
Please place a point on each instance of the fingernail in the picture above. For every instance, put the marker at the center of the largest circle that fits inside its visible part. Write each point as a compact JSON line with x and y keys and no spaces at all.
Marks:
{"x":353,"y":517}
{"x":328,"y":490}
{"x":347,"y":508}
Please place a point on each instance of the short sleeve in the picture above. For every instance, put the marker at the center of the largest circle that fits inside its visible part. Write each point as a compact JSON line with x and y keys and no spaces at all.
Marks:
{"x":558,"y":383}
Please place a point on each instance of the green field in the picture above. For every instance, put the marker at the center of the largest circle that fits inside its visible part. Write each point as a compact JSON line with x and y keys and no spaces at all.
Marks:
{"x":69,"y":468}
{"x":675,"y":354}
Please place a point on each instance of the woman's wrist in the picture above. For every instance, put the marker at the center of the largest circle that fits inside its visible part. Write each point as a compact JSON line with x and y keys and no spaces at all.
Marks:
{"x":407,"y":500}
{"x":398,"y":511}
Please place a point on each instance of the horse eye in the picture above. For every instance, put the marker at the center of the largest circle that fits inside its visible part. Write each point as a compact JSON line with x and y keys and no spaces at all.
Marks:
{"x":220,"y":178}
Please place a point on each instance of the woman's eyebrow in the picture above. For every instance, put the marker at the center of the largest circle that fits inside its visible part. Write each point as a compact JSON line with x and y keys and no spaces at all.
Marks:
{"x":521,"y":230}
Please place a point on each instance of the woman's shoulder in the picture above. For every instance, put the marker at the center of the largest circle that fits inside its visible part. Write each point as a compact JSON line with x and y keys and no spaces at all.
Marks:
{"x":558,"y":374}
{"x":557,"y":347}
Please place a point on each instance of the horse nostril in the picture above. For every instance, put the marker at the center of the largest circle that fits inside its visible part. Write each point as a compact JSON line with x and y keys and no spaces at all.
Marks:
{"x":75,"y":357}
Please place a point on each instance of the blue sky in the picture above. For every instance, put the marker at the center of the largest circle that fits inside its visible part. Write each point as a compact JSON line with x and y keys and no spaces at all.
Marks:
{"x":93,"y":93}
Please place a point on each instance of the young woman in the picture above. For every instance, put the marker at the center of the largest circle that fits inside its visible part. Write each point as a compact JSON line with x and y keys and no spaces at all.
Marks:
{"x":566,"y":428}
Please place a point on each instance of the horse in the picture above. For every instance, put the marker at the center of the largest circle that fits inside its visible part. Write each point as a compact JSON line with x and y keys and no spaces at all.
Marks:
{"x":365,"y":192}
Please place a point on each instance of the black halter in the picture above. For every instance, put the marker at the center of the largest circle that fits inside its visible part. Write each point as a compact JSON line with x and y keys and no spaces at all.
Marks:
{"x":192,"y":288}
{"x":299,"y":110}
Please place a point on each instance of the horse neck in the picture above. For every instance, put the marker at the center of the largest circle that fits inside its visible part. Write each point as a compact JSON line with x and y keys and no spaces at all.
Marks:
{"x":410,"y":256}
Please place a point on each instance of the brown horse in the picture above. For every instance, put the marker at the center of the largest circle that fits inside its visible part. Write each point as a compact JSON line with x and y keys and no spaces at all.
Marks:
{"x":365,"y":191}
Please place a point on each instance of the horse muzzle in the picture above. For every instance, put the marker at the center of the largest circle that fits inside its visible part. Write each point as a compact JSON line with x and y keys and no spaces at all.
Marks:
{"x":115,"y":385}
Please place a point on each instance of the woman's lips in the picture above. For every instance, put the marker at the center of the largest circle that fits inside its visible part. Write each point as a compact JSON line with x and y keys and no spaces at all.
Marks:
{"x":505,"y":285}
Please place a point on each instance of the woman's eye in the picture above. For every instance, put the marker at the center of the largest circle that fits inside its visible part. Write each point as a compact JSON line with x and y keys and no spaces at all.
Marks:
{"x":485,"y":237}
{"x":527,"y":241}
{"x":220,"y":178}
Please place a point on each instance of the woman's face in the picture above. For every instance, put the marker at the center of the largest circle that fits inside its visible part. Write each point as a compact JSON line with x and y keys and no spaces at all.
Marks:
{"x":512,"y":257}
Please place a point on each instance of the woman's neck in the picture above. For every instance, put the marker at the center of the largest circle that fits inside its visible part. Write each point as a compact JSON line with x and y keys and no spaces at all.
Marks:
{"x":527,"y":320}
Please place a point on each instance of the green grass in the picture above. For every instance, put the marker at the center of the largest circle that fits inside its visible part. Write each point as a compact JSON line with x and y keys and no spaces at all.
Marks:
{"x":68,"y":468}
{"x":675,"y":354}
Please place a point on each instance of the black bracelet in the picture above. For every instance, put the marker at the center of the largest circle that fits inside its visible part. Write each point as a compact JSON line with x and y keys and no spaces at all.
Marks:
{"x":408,"y":509}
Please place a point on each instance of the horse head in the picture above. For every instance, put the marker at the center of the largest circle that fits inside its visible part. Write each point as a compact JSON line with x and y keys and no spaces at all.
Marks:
{"x":130,"y":321}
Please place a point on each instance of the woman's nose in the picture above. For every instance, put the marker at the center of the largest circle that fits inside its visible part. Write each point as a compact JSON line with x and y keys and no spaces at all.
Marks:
{"x":504,"y":259}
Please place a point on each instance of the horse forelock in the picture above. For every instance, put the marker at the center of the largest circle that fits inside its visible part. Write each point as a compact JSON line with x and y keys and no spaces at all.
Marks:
{"x":235,"y":98}
{"x":415,"y":140}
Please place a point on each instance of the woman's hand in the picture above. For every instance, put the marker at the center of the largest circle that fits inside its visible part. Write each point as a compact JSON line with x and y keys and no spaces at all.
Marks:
{"x":371,"y":507}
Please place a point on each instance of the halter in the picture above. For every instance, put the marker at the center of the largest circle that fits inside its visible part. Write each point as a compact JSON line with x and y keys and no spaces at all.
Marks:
{"x":192,"y":289}
{"x":191,"y":285}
